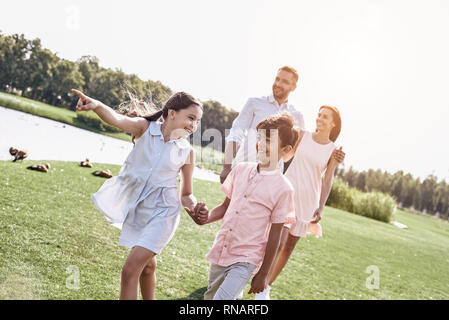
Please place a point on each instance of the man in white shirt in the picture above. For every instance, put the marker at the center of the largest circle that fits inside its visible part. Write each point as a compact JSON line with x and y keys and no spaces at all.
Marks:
{"x":241,"y":141}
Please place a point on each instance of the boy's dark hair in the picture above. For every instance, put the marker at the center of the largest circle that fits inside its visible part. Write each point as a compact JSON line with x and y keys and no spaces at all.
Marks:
{"x":284,"y":123}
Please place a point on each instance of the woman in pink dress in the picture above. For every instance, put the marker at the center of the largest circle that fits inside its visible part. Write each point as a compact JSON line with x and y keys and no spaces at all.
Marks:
{"x":312,"y":158}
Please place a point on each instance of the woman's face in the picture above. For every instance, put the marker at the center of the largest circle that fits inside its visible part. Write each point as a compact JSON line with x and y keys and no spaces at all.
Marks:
{"x":325,"y":120}
{"x":185,"y":122}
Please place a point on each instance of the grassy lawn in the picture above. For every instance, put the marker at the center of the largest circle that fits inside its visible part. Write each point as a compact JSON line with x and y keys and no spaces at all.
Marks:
{"x":49,"y":225}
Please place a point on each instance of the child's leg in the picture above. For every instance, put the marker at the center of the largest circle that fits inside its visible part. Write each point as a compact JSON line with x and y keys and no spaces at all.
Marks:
{"x":283,"y":256}
{"x":148,"y":280}
{"x":237,"y":277}
{"x":136,"y":261}
{"x":216,"y":277}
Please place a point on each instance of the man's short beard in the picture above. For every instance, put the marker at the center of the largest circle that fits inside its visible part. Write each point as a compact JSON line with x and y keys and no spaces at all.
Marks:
{"x":282,"y":97}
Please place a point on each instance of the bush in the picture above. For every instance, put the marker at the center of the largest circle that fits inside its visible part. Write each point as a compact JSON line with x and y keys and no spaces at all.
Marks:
{"x":375,"y":205}
{"x":341,"y":196}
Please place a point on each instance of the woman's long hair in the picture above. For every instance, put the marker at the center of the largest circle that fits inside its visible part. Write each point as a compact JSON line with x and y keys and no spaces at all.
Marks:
{"x":335,"y":132}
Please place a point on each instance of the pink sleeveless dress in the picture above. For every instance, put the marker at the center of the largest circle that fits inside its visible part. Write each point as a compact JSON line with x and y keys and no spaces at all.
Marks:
{"x":305,"y":173}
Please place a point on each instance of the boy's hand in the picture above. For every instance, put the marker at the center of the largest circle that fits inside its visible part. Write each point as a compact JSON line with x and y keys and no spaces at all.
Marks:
{"x":202,"y":212}
{"x":199,"y":213}
{"x":259,"y":283}
{"x":85,"y":103}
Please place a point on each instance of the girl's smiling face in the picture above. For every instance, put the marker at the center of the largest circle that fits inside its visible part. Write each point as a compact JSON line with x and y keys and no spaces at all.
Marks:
{"x":185,"y":122}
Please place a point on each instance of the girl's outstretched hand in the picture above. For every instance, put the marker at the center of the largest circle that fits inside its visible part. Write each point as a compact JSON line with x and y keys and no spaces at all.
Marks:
{"x":85,"y":103}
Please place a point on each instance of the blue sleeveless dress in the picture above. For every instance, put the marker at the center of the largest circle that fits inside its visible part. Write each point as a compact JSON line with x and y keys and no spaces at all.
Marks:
{"x":144,"y":196}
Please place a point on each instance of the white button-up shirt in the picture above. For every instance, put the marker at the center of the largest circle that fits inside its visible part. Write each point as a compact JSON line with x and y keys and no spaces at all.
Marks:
{"x":244,"y":131}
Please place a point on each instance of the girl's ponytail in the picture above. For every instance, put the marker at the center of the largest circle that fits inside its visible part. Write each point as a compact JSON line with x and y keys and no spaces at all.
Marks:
{"x":146,"y":109}
{"x":155,"y":116}
{"x":136,"y":107}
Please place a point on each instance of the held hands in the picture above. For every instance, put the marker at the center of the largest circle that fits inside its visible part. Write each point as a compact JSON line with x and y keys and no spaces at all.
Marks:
{"x":339,"y":155}
{"x":85,"y":103}
{"x":199,"y":214}
{"x":259,"y":283}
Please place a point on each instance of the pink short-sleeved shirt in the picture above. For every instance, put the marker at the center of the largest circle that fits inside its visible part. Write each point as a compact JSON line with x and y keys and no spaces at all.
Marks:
{"x":258,"y":199}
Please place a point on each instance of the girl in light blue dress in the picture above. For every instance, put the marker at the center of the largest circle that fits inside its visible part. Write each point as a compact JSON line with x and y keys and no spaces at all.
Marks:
{"x":144,"y":196}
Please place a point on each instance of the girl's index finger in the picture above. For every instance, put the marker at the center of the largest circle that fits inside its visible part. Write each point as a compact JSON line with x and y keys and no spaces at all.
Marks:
{"x":80,"y":94}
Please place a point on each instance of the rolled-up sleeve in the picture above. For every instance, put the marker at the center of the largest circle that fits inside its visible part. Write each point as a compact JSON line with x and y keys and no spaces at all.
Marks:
{"x":242,"y":123}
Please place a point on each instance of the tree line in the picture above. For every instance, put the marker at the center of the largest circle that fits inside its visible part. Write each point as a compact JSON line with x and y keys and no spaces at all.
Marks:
{"x":29,"y":70}
{"x":429,"y":195}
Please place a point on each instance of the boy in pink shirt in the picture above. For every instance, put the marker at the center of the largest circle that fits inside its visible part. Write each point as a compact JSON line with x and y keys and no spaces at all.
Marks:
{"x":259,"y":201}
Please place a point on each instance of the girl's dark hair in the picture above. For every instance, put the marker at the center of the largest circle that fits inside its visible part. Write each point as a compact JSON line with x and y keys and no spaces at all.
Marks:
{"x":284,"y":123}
{"x":335,"y":132}
{"x":148,"y":110}
{"x":178,"y":101}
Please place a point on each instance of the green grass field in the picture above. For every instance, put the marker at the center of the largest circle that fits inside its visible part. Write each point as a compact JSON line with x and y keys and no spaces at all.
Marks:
{"x":50,"y":227}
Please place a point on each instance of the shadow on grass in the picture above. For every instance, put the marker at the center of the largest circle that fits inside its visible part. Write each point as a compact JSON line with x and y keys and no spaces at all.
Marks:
{"x":195,"y":295}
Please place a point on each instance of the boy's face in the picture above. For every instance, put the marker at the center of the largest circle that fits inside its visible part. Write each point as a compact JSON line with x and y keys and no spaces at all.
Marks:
{"x":268,"y":147}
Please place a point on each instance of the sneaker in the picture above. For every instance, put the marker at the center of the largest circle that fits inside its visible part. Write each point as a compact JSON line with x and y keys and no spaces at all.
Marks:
{"x":264,"y":295}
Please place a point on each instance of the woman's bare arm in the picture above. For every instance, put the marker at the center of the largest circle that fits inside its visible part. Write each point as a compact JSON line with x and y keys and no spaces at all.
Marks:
{"x":325,"y":188}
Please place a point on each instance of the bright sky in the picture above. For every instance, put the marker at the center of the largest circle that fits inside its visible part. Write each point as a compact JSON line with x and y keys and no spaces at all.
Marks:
{"x":383,"y":63}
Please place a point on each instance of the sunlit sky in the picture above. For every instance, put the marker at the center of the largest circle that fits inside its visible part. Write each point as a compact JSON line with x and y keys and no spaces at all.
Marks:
{"x":384,"y":64}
